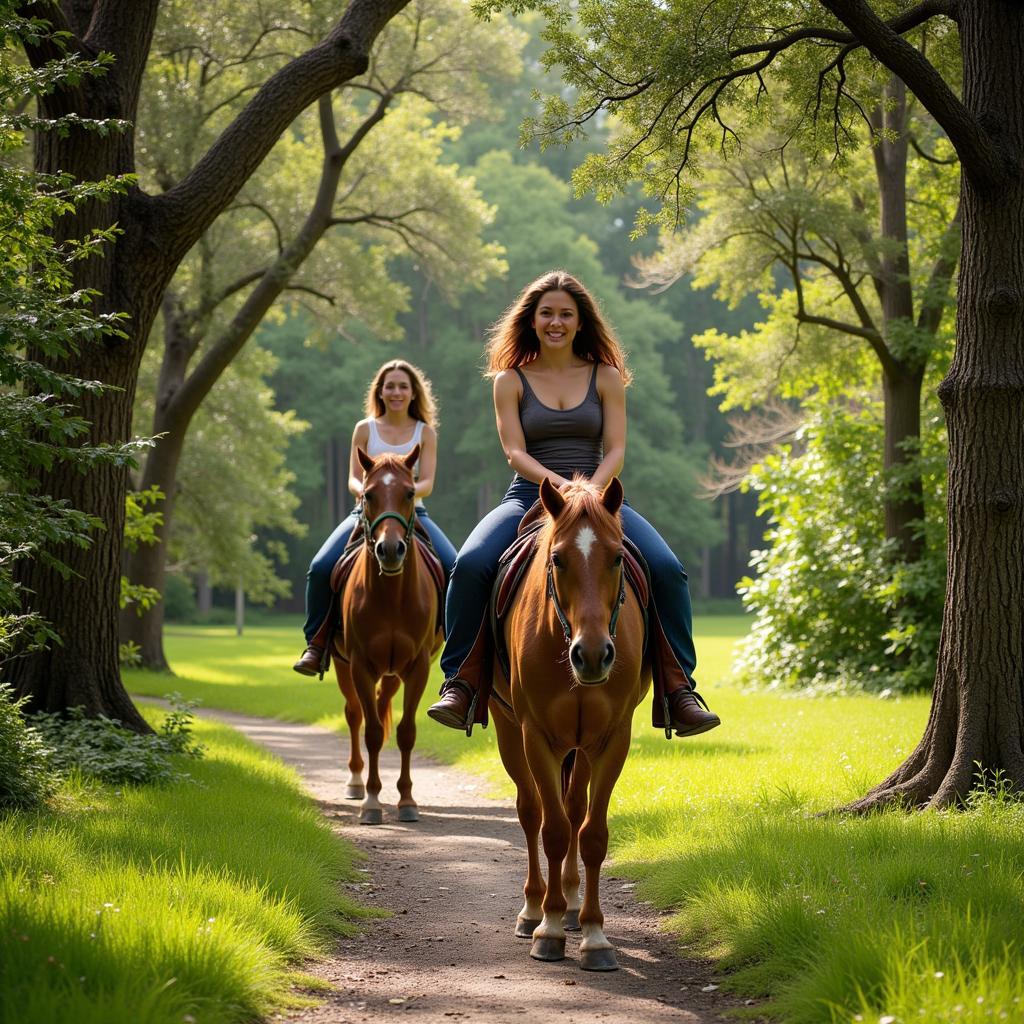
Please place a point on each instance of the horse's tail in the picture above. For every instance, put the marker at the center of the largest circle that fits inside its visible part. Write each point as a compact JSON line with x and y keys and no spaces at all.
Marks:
{"x":567,"y":766}
{"x":384,"y":701}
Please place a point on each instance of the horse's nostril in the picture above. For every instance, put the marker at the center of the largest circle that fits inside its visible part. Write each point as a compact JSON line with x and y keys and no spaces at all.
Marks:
{"x":609,"y":655}
{"x":576,"y":656}
{"x":400,"y":550}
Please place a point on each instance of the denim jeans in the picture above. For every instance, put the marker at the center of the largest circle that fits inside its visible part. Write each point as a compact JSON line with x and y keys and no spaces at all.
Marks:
{"x":476,"y":567}
{"x":318,"y":579}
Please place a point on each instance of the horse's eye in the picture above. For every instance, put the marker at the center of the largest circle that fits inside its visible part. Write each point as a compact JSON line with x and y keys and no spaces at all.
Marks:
{"x":618,"y":560}
{"x":555,"y":560}
{"x":411,"y":493}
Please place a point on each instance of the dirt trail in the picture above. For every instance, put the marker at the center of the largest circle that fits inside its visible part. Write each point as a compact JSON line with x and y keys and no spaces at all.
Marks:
{"x":453,"y":883}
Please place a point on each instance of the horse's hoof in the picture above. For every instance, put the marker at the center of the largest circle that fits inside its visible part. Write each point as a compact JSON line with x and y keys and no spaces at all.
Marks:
{"x":408,"y":813}
{"x":548,"y":949}
{"x":572,"y":921}
{"x":525,"y":927}
{"x":371,"y":816}
{"x":355,"y":792}
{"x":599,"y":960}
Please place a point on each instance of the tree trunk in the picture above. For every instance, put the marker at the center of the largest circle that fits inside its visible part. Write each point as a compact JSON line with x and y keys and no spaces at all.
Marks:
{"x":904,"y":502}
{"x":903,"y":373}
{"x":83,"y":609}
{"x":148,"y":565}
{"x":976,"y":724}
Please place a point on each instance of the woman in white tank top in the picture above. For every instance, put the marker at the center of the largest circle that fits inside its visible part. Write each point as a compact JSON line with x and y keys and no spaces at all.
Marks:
{"x":400,"y":413}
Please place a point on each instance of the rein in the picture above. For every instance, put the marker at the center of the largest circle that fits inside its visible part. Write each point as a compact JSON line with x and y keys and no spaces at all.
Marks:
{"x":560,"y":611}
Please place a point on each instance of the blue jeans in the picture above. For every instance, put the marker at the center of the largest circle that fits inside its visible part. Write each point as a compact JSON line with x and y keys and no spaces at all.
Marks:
{"x":476,"y":567}
{"x":318,"y":579}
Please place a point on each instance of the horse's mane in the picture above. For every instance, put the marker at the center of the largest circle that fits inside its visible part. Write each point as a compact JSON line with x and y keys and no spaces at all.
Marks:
{"x":582,"y":498}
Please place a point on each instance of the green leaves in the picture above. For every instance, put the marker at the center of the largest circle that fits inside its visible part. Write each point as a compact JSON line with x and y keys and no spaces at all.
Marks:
{"x":42,"y":316}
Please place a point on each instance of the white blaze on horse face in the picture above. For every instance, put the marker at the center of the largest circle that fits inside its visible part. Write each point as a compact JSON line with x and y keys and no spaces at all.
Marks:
{"x":585,"y":540}
{"x":388,"y":478}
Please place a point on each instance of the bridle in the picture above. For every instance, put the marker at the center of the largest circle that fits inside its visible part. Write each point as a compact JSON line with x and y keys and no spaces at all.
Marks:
{"x":560,"y":611}
{"x":369,"y":527}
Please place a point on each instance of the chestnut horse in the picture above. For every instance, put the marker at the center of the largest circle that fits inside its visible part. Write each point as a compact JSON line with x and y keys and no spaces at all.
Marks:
{"x":575,"y":640}
{"x":388,"y":630}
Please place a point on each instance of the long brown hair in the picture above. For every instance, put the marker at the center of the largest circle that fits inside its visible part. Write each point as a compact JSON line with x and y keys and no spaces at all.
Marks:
{"x":513,"y":341}
{"x":422,"y":407}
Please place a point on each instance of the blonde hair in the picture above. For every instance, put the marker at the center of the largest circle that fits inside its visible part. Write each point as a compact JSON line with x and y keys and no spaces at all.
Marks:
{"x":512,"y":340}
{"x":422,"y":407}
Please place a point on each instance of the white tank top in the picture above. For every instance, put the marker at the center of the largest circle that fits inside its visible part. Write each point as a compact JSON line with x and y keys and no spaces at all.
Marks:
{"x":378,"y":446}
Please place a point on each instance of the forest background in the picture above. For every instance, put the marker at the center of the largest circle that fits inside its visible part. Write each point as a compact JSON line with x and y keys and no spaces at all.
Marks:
{"x":738,"y":401}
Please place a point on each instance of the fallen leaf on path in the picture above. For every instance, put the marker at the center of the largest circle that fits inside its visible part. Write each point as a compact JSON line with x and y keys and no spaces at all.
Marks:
{"x":709,"y":988}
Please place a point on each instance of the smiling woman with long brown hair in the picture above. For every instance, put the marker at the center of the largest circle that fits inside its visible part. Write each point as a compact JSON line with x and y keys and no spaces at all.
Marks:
{"x":400,"y":414}
{"x":560,"y":379}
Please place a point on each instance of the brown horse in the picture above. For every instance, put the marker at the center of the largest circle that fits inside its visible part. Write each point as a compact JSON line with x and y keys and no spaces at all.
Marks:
{"x":388,"y":630}
{"x":575,"y":641}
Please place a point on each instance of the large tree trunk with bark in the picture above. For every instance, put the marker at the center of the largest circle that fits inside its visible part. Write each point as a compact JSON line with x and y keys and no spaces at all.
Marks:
{"x":156,"y":233}
{"x":977,"y":717}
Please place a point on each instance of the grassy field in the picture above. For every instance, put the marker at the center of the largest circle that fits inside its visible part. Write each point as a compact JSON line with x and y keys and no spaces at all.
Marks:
{"x":893,"y":918}
{"x":159,"y":905}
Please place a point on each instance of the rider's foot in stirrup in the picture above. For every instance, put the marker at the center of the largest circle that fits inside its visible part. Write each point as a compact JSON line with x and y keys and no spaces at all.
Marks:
{"x":688,"y":717}
{"x":453,"y":707}
{"x":309,"y":663}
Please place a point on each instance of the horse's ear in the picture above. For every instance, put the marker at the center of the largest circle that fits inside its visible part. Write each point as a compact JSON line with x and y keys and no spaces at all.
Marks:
{"x":551,"y":498}
{"x":364,"y":460}
{"x":410,"y":459}
{"x":611,"y":496}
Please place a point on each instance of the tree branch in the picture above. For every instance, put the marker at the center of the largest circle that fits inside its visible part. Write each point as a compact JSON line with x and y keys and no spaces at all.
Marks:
{"x":187,"y":210}
{"x":981,"y":159}
{"x":916,"y":147}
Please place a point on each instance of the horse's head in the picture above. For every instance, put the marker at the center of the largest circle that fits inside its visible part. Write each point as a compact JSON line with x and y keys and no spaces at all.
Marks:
{"x":585,"y":575}
{"x":389,"y":507}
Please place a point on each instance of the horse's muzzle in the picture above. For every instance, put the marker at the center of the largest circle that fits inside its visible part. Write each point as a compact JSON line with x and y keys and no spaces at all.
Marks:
{"x":592,"y":665}
{"x":390,"y":556}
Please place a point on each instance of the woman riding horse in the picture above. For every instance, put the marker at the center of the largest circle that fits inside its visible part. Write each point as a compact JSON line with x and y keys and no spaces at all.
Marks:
{"x":559,"y":397}
{"x":400,"y":414}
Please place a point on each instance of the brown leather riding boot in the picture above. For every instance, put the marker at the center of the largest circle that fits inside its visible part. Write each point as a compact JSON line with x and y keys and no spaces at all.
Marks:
{"x":309,"y":663}
{"x":688,"y":717}
{"x":453,"y":709}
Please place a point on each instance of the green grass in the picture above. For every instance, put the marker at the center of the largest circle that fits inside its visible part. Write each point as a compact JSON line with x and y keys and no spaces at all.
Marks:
{"x":151,"y":905}
{"x":911,"y":917}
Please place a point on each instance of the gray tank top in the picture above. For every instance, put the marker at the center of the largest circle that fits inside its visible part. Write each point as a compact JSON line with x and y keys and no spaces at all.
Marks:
{"x":566,"y":441}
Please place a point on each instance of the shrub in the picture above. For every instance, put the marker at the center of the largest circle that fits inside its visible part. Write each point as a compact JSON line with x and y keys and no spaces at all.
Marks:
{"x":26,"y":774}
{"x":834,"y":609}
{"x":102,"y":748}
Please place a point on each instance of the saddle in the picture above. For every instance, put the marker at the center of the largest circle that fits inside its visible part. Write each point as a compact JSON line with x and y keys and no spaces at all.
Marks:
{"x":329,"y":637}
{"x":489,"y":645}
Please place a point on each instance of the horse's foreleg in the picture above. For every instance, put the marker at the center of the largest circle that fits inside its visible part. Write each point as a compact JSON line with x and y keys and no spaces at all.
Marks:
{"x":372,"y":810}
{"x":546,"y":768}
{"x":510,"y":747}
{"x":576,"y":808}
{"x":415,"y":684}
{"x":596,"y":952}
{"x":354,"y":790}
